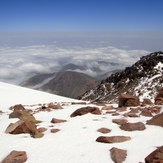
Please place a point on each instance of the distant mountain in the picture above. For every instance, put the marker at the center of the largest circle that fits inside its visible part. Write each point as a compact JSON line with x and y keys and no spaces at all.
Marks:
{"x":143,"y":78}
{"x":64,"y":83}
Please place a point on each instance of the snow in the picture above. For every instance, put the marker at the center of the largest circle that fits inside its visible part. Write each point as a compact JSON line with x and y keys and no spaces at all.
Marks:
{"x":75,"y":142}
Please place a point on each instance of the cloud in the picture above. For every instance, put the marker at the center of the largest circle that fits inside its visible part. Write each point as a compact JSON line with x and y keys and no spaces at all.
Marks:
{"x":20,"y":62}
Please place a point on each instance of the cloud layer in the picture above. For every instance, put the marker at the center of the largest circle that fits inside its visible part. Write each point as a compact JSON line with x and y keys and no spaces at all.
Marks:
{"x":20,"y":62}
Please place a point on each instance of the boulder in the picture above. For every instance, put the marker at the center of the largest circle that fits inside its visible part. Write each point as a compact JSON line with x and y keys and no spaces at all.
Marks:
{"x":104,"y":130}
{"x":17,"y":107}
{"x":15,"y":157}
{"x":156,"y":156}
{"x":133,"y":126}
{"x":112,"y":139}
{"x":55,"y":120}
{"x":128,"y":100}
{"x":23,"y":127}
{"x":119,"y":121}
{"x":159,"y":98}
{"x":23,"y":115}
{"x":85,"y":110}
{"x":157,"y":120}
{"x":118,"y":155}
{"x":147,"y":101}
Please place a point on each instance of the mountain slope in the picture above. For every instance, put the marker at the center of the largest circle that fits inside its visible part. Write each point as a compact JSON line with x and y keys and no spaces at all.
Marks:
{"x":75,"y":141}
{"x":64,"y":83}
{"x":142,"y":79}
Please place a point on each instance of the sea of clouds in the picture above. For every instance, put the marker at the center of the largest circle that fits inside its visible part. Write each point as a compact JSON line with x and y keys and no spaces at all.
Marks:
{"x":23,"y":57}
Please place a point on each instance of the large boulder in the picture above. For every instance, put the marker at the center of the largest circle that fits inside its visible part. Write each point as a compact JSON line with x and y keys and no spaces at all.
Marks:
{"x":112,"y":139}
{"x":128,"y":100}
{"x":85,"y":110}
{"x":118,"y":155}
{"x":157,"y":120}
{"x":15,"y":157}
{"x":156,"y":156}
{"x":159,"y":98}
{"x":133,"y":126}
{"x":23,"y":127}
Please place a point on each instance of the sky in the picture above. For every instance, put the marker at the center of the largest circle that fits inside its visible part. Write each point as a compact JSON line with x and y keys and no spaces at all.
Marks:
{"x":77,"y":15}
{"x":39,"y":36}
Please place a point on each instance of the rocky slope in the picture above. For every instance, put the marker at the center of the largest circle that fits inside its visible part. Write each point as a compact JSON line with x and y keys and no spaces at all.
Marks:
{"x":64,"y":83}
{"x":142,"y":79}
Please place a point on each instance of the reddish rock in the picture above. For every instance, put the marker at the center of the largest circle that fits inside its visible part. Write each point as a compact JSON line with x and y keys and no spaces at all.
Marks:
{"x":128,"y":100}
{"x":55,"y":120}
{"x":159,"y":98}
{"x":134,"y":115}
{"x":112,"y":139}
{"x":23,"y":127}
{"x":104,"y":130}
{"x":23,"y":115}
{"x":133,"y":126}
{"x":119,"y":121}
{"x":107,"y":107}
{"x":156,"y":120}
{"x":85,"y":110}
{"x":54,"y":130}
{"x":147,"y":101}
{"x":121,"y":109}
{"x":156,"y":156}
{"x":42,"y":129}
{"x":53,"y":106}
{"x":15,"y":157}
{"x":17,"y":107}
{"x":118,"y":155}
{"x":156,"y":109}
{"x":145,"y":112}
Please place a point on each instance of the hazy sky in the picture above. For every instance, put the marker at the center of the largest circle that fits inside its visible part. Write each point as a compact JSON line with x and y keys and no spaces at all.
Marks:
{"x":39,"y":36}
{"x":81,"y":15}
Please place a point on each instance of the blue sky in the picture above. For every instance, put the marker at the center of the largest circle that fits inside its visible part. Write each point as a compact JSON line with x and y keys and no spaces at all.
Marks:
{"x":81,"y":15}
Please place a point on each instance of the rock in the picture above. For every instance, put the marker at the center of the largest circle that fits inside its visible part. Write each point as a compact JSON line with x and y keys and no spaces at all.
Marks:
{"x":133,"y":126}
{"x":159,"y":98}
{"x":107,"y":107}
{"x":15,"y":157}
{"x":119,"y":121}
{"x":145,"y":112}
{"x":104,"y":130}
{"x":23,"y":115}
{"x":85,"y":110}
{"x":17,"y":107}
{"x":112,"y":139}
{"x":147,"y":101}
{"x":23,"y":127}
{"x":55,"y":120}
{"x":53,"y":106}
{"x":157,"y":120}
{"x":121,"y":109}
{"x":118,"y":155}
{"x":128,"y":100}
{"x":156,"y":156}
{"x":54,"y":130}
{"x":42,"y":129}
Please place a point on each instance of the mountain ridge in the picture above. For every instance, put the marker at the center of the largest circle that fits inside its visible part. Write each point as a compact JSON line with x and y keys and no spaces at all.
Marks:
{"x":143,"y":77}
